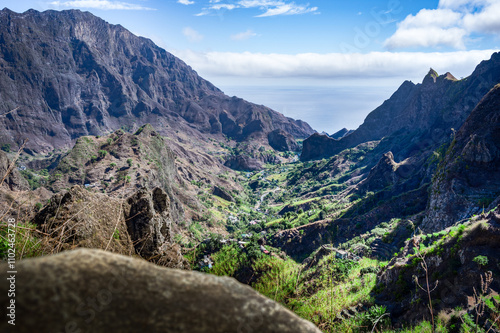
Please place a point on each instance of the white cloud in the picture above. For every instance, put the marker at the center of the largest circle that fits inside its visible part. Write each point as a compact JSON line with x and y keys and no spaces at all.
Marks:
{"x":487,"y":20}
{"x":185,"y":2}
{"x":243,"y":35}
{"x":268,"y":7}
{"x":223,"y":6}
{"x":404,"y":65}
{"x":427,"y":37}
{"x":448,"y":25}
{"x":463,"y":4}
{"x":431,"y":17}
{"x":288,"y":9}
{"x":99,"y":4}
{"x":192,"y":35}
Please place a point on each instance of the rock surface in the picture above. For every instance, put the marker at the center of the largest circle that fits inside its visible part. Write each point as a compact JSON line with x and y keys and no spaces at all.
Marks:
{"x":14,"y":180}
{"x":149,"y":222}
{"x":96,"y":77}
{"x":221,"y":193}
{"x":95,"y":291}
{"x":243,"y":163}
{"x":382,"y":175}
{"x":282,"y":141}
{"x":141,"y":224}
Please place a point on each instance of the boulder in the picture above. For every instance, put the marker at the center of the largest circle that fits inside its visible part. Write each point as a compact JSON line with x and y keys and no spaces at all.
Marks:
{"x":141,"y":224}
{"x":96,"y":291}
{"x":80,"y":218}
{"x":148,"y":220}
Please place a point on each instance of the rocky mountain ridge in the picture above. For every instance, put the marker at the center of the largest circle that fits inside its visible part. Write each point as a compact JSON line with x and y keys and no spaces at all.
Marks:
{"x":467,"y":181}
{"x":94,"y":78}
{"x":416,"y":116}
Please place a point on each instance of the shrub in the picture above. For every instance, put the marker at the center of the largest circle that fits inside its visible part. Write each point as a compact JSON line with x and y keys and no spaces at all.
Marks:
{"x":102,"y":153}
{"x":129,"y":162}
{"x":6,"y":147}
{"x":481,"y":260}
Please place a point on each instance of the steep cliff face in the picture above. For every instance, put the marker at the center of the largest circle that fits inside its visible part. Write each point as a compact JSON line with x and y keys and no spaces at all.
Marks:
{"x":468,"y":180}
{"x":72,"y":74}
{"x":416,"y":116}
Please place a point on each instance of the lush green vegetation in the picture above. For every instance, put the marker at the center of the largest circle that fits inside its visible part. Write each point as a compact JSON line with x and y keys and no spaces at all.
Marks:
{"x":26,"y":245}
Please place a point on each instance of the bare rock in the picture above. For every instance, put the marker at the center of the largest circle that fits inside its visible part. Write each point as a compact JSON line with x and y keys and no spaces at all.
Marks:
{"x":221,"y":193}
{"x":96,"y":291}
{"x":243,"y":163}
{"x":96,"y":77}
{"x":383,"y":174}
{"x":14,"y":180}
{"x":80,"y":218}
{"x":282,"y":141}
{"x":141,"y":224}
{"x":148,"y":221}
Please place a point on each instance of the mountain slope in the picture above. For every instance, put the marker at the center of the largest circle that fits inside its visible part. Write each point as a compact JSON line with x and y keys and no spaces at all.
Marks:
{"x":72,"y":74}
{"x":416,"y":116}
{"x":468,"y":180}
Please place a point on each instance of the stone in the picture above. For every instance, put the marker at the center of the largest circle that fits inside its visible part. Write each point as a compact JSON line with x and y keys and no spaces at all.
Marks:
{"x":100,"y":292}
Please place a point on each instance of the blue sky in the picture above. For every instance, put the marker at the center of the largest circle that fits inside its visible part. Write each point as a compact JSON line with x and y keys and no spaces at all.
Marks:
{"x":326,"y":62}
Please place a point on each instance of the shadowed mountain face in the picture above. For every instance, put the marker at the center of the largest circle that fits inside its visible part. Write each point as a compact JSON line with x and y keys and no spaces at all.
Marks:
{"x":71,"y":74}
{"x":468,"y":180}
{"x":416,"y":116}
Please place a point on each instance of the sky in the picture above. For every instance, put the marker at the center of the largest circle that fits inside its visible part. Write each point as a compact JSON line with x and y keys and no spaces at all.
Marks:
{"x":326,"y":62}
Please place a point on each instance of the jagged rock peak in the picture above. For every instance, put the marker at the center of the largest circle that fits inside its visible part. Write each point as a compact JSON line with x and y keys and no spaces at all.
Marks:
{"x":432,"y":75}
{"x":450,"y":76}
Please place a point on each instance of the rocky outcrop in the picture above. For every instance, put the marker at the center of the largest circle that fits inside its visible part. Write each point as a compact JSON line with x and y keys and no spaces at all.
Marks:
{"x":148,"y":220}
{"x":13,"y":180}
{"x":79,"y":218}
{"x":468,"y":180}
{"x":222,"y":193}
{"x":449,"y":257}
{"x":381,"y":175}
{"x":96,"y":291}
{"x":282,"y":141}
{"x":416,"y":116}
{"x":141,"y":224}
{"x":96,"y":77}
{"x":243,"y":163}
{"x":120,"y":163}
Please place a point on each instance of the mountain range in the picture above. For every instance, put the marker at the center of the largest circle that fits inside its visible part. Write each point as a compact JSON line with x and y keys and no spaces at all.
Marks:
{"x":68,"y":74}
{"x":129,"y":151}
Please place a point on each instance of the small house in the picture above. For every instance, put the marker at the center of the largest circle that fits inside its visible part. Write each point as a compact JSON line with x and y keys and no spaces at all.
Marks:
{"x":341,"y":254}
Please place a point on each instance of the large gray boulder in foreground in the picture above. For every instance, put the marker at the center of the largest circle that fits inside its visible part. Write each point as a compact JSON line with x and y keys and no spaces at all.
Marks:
{"x":96,"y":291}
